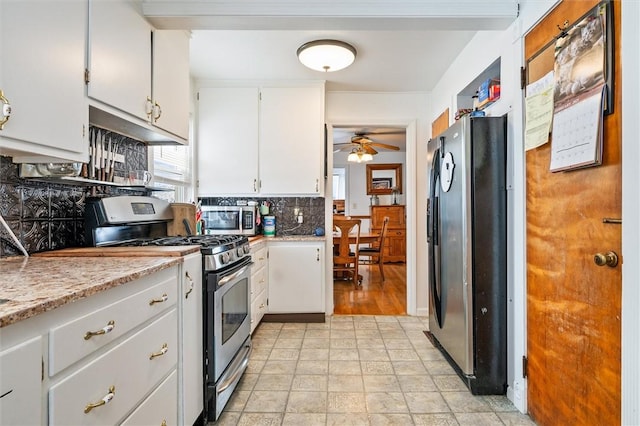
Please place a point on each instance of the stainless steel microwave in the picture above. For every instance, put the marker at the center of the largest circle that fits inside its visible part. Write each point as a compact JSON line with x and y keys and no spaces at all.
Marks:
{"x":230,"y":220}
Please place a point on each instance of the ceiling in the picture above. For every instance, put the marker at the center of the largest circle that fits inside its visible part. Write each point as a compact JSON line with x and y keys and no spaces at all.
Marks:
{"x":402,"y":45}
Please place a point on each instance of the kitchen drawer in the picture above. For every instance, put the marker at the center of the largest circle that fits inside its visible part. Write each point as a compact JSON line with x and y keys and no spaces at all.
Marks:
{"x":259,"y":255}
{"x":258,"y":282}
{"x":68,"y":343}
{"x":258,"y":309}
{"x":160,"y":408}
{"x":128,"y":370}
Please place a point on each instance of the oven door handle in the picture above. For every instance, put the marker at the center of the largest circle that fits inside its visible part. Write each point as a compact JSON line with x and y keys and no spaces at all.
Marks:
{"x":239,"y":365}
{"x":232,"y":277}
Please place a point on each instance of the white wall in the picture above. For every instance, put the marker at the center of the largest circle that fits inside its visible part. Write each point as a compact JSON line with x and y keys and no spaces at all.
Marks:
{"x":396,"y":109}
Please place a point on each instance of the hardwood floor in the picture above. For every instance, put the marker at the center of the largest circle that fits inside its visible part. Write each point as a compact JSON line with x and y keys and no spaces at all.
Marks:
{"x":374,"y":297}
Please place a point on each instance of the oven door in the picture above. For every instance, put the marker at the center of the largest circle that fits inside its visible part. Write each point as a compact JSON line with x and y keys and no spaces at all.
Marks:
{"x":230,"y":318}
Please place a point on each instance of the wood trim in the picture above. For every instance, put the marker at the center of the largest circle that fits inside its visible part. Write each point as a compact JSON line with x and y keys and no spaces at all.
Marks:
{"x":440,"y":124}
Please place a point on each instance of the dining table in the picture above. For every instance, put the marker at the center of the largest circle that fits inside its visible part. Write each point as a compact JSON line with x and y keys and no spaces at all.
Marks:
{"x":365,"y":238}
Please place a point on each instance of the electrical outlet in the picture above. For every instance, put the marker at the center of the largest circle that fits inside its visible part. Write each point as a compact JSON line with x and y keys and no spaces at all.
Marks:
{"x":300,"y":218}
{"x":296,"y":211}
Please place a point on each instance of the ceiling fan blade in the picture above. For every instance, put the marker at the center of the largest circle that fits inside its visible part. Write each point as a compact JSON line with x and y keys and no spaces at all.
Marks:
{"x":360,"y":139}
{"x":385,"y":146}
{"x":367,"y":148}
{"x":343,"y":147}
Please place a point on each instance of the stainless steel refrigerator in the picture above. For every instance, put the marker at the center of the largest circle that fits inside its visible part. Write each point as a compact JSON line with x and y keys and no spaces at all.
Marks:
{"x":467,"y":239}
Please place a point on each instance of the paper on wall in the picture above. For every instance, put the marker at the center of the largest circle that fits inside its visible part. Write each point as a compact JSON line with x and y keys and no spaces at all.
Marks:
{"x":538,"y":111}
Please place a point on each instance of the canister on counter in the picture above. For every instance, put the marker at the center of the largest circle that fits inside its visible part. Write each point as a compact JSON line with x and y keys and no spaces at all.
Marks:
{"x":269,"y":226}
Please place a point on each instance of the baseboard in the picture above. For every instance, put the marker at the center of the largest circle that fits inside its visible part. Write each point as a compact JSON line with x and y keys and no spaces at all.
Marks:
{"x":303,"y":317}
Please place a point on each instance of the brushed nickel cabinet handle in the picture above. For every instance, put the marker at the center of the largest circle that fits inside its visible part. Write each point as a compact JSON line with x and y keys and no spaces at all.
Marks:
{"x":107,"y":398}
{"x":104,"y":330}
{"x":161,"y":352}
{"x":163,"y":298}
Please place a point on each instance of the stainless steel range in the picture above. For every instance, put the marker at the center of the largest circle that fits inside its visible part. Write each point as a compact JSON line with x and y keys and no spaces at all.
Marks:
{"x":142,"y":221}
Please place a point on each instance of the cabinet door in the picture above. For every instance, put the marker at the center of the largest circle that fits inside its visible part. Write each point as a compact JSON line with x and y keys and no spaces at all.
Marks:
{"x":42,"y":51}
{"x":120,"y":57}
{"x":171,"y":81}
{"x":292,"y":140}
{"x":227,"y":148}
{"x":191,"y":335}
{"x":20,"y":393}
{"x":296,"y":277}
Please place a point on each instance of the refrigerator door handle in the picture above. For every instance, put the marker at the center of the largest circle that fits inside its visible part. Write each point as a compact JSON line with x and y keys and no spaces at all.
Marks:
{"x":433,"y":218}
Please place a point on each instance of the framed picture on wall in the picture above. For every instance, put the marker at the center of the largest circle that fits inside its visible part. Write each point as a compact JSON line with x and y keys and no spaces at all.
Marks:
{"x":381,"y":183}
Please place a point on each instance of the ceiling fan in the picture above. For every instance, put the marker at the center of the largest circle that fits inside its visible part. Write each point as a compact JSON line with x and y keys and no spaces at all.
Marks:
{"x":362,"y":143}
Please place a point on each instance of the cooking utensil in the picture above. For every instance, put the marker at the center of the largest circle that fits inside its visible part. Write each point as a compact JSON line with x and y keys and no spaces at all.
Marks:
{"x":187,"y":227}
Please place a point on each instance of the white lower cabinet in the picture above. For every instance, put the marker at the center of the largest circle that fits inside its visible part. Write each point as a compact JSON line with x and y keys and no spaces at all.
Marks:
{"x":191,"y":354}
{"x":259,"y":282}
{"x":20,"y":383}
{"x":106,"y":389}
{"x":296,"y":277}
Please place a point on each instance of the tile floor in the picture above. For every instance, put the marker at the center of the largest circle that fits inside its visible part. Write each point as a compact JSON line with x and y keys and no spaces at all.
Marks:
{"x":356,"y":370}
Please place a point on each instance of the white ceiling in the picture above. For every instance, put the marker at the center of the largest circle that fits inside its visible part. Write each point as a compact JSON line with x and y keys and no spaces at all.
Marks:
{"x":387,"y":61}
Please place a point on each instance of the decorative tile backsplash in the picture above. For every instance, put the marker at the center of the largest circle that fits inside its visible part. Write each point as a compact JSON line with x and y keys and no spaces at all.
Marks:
{"x":47,"y":215}
{"x":283,"y":209}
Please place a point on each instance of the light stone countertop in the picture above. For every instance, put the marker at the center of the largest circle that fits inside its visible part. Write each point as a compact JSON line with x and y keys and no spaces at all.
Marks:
{"x":34,"y":285}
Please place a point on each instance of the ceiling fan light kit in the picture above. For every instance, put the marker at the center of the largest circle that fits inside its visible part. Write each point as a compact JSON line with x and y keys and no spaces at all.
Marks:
{"x":326,"y":55}
{"x":359,"y":156}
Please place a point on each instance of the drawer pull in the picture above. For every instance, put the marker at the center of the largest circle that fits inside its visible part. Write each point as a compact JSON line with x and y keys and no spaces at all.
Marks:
{"x":164,"y":423}
{"x":108,"y":397}
{"x":161,"y":352}
{"x":104,"y":330}
{"x":164,"y":298}
{"x":186,"y":295}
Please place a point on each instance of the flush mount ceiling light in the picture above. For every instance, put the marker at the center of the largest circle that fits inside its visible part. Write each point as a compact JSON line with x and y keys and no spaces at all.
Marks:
{"x":359,"y":156}
{"x":326,"y":55}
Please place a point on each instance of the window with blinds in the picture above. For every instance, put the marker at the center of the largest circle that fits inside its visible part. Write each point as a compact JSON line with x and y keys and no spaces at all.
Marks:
{"x":172,"y":171}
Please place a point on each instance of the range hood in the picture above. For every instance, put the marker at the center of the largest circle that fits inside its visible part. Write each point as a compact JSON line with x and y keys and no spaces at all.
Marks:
{"x":123,"y":124}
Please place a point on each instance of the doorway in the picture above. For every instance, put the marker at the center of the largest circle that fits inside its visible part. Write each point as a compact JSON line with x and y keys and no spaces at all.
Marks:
{"x":350,"y":198}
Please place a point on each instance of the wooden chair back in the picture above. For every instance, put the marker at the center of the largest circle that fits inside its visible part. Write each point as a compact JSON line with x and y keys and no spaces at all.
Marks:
{"x":343,"y":258}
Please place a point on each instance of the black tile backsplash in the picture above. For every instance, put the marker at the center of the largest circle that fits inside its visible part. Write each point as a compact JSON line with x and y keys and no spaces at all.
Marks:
{"x":47,"y":215}
{"x":283,"y":209}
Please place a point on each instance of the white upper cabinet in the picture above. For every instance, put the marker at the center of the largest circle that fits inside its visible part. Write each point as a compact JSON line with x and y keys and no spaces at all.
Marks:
{"x":42,"y":57}
{"x":120,"y":57}
{"x":267,"y":141}
{"x":227,"y":151}
{"x":171,"y":81}
{"x":138,"y":83}
{"x":292,"y":140}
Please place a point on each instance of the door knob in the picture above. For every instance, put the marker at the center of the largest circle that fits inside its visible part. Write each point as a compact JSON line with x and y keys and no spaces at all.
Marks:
{"x":610,"y":259}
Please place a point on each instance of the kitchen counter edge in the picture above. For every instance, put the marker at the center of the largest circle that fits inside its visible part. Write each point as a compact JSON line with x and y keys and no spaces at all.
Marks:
{"x":34,"y":285}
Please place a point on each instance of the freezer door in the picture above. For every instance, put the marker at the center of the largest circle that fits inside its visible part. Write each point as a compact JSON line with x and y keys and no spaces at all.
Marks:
{"x":452,"y":329}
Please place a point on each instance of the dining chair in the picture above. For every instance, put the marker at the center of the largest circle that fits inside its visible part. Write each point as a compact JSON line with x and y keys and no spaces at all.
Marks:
{"x":344,"y":259}
{"x":376,"y":251}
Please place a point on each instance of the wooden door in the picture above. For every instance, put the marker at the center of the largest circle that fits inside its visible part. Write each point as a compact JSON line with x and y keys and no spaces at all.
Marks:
{"x":573,"y":305}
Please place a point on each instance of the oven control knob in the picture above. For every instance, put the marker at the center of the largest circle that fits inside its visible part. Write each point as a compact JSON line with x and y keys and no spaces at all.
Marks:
{"x":240,"y":251}
{"x":224,"y":258}
{"x":246,"y":249}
